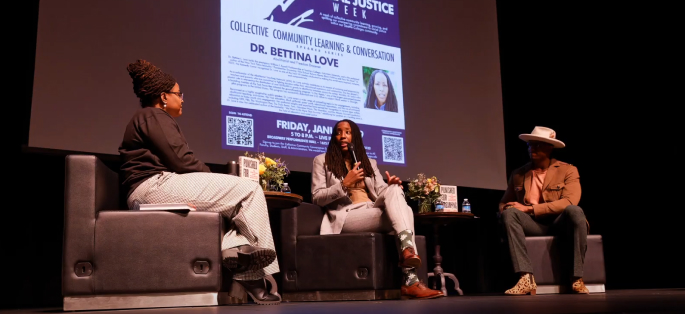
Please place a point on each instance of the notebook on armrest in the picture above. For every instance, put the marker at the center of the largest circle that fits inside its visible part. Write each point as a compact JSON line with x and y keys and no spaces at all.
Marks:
{"x":169,"y":206}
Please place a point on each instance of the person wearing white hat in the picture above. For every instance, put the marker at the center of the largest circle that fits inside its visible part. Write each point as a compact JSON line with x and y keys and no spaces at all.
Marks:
{"x":542,"y":199}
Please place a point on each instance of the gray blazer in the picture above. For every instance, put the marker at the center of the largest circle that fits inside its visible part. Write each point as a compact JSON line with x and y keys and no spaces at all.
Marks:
{"x":327,"y":192}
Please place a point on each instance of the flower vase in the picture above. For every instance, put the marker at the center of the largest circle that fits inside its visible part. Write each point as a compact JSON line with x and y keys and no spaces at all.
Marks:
{"x":268,"y":185}
{"x":425,"y":206}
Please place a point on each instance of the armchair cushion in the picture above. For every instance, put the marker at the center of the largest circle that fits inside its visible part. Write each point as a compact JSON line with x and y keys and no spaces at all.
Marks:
{"x":157,"y":252}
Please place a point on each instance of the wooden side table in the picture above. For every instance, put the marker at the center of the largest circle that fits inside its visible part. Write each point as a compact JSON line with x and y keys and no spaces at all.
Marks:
{"x":279,"y":200}
{"x":276,"y":201}
{"x":437,"y":219}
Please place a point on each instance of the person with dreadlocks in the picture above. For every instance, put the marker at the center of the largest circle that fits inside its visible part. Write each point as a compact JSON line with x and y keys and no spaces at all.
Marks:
{"x":159,"y":167}
{"x":351,"y":188}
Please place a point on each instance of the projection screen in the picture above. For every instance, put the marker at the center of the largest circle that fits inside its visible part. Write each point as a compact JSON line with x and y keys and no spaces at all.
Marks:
{"x":421,"y":78}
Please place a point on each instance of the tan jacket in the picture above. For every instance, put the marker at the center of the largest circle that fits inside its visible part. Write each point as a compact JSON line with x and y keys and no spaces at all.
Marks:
{"x":327,"y":192}
{"x":560,"y":188}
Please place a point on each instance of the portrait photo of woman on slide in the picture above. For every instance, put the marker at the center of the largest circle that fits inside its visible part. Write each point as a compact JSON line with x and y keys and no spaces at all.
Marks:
{"x":380,"y":94}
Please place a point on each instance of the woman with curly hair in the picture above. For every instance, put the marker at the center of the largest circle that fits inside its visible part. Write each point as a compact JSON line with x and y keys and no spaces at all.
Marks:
{"x":351,"y":188}
{"x":159,"y":167}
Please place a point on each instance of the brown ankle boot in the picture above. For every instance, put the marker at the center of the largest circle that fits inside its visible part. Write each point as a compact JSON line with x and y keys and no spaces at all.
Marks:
{"x":578,"y":286}
{"x":526,"y":285}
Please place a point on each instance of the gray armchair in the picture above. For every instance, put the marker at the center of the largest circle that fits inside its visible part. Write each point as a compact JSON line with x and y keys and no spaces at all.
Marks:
{"x":116,"y":258}
{"x":352,"y":266}
{"x":551,"y":266}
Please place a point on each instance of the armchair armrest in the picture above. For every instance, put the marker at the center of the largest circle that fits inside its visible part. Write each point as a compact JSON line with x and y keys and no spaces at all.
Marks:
{"x":301,"y":220}
{"x":90,"y":186}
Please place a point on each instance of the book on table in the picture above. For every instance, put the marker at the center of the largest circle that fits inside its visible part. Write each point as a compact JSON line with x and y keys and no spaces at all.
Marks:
{"x":448,"y":195}
{"x":249,"y":168}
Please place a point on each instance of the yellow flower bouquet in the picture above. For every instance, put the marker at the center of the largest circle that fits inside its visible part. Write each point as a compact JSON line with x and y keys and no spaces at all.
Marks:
{"x":424,"y":190}
{"x":271,"y":171}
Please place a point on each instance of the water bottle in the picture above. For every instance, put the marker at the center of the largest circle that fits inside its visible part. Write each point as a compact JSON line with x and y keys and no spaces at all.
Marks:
{"x":466,"y":206}
{"x":285,"y":188}
{"x":439,"y":205}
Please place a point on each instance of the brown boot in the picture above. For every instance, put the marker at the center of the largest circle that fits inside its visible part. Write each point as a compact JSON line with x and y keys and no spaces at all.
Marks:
{"x":525,"y":286}
{"x":419,"y":291}
{"x":409,"y":259}
{"x":578,"y":286}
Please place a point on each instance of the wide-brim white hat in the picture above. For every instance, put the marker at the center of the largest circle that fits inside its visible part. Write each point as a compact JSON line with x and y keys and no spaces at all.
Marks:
{"x":543,"y":134}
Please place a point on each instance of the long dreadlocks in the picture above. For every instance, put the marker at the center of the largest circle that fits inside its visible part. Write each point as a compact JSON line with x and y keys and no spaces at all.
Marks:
{"x":149,"y":82}
{"x":335,"y":160}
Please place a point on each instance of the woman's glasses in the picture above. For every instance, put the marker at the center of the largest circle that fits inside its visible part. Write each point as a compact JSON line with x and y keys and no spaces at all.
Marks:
{"x":179,"y":94}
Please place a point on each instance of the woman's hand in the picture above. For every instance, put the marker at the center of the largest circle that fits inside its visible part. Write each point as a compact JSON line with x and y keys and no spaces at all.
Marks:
{"x":353,"y":176}
{"x":394,"y":180}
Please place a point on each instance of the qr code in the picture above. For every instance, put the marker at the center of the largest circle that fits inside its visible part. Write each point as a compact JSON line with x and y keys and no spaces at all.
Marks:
{"x":239,"y":131}
{"x":393,"y":149}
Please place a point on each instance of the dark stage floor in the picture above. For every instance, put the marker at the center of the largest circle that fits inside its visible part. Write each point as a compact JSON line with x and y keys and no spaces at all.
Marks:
{"x":613,"y":301}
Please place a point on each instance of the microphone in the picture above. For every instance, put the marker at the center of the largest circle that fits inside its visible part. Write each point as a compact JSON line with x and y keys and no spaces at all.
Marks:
{"x":350,"y":147}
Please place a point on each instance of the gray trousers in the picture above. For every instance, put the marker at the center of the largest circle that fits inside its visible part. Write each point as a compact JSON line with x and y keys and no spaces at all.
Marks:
{"x":389,"y":213}
{"x":239,"y":200}
{"x":570,"y":226}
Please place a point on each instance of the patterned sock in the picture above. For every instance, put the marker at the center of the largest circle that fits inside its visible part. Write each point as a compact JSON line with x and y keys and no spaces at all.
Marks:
{"x":405,"y":239}
{"x":410,"y":276}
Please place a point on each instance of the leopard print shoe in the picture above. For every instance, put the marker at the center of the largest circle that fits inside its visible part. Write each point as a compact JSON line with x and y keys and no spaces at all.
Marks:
{"x":578,"y":286}
{"x":526,"y":285}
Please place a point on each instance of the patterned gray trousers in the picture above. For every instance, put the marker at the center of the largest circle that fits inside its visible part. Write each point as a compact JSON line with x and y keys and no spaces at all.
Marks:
{"x":570,"y":225}
{"x":239,"y":200}
{"x":388,"y":214}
